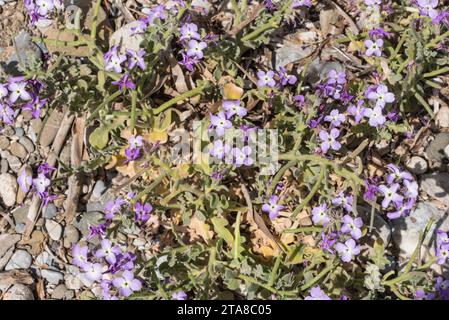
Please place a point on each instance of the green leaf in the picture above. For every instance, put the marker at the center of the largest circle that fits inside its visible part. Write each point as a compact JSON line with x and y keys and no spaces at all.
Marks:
{"x":220,"y":228}
{"x":99,"y":138}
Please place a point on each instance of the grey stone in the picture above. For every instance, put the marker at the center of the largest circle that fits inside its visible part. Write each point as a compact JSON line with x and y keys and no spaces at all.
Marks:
{"x":406,"y":230}
{"x":290,"y":53}
{"x":71,"y":236}
{"x":20,"y":227}
{"x":89,"y":219}
{"x":50,"y":211}
{"x":27,"y":143}
{"x":18,"y":292}
{"x":435,"y":150}
{"x":4,"y":166}
{"x":6,"y":257}
{"x":98,"y":190}
{"x":52,"y":277}
{"x":44,"y":259}
{"x":126,"y":37}
{"x":19,"y":132}
{"x":59,"y":292}
{"x":318,"y":71}
{"x":20,"y":214}
{"x":436,"y":185}
{"x":4,"y":143}
{"x":417,"y":165}
{"x":19,"y":260}
{"x":8,"y":189}
{"x":54,"y":229}
{"x":51,"y":128}
{"x":7,"y":241}
{"x":381,"y":229}
{"x":18,"y":150}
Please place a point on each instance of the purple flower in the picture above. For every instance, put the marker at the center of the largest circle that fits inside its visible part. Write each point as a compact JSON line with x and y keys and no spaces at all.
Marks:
{"x":373,"y":2}
{"x":334,"y":77}
{"x":379,"y":33}
{"x":329,"y":140}
{"x":44,"y":6}
{"x":6,"y":114}
{"x":45,"y":168}
{"x":427,"y":8}
{"x":189,"y":62}
{"x":25,"y":181}
{"x":286,"y":78}
{"x":220,"y":122}
{"x":3,"y":91}
{"x":352,"y":226}
{"x":41,"y":183}
{"x":301,"y":3}
{"x":442,"y":238}
{"x":196,"y":48}
{"x":420,"y":294}
{"x":374,"y":47}
{"x":266,"y":79}
{"x":136,"y":58}
{"x":411,"y":189}
{"x":381,"y":96}
{"x":18,"y":90}
{"x":99,"y":230}
{"x":113,"y":207}
{"x":79,"y":255}
{"x":142,"y":211}
{"x":108,"y":251}
{"x":189,"y":31}
{"x":397,"y":175}
{"x":442,"y":253}
{"x":343,"y":201}
{"x":220,"y":149}
{"x":358,"y":112}
{"x":125,"y":83}
{"x":403,"y":211}
{"x":242,"y":156}
{"x":127,"y":284}
{"x":371,"y":191}
{"x":140,"y":27}
{"x":233,"y":107}
{"x":328,"y":241}
{"x":375,"y":116}
{"x":390,"y":194}
{"x":335,"y":118}
{"x":299,"y":100}
{"x":93,"y":271}
{"x":114,"y":60}
{"x":347,"y":250}
{"x":35,"y":106}
{"x":319,"y":215}
{"x":317,"y":294}
{"x":180,"y":295}
{"x":272,"y":207}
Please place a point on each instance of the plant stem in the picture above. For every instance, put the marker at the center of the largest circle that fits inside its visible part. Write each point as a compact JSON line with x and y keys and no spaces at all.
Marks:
{"x":181,"y":97}
{"x":93,"y":31}
{"x":133,"y":110}
{"x":312,"y":192}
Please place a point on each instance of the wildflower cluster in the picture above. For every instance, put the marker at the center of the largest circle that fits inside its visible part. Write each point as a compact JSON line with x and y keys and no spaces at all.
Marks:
{"x":40,"y":184}
{"x":193,"y":46}
{"x":42,"y":12}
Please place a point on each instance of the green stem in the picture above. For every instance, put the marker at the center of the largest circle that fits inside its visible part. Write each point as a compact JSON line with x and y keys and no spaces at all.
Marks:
{"x":303,"y":229}
{"x":312,"y":192}
{"x":280,"y":174}
{"x":108,"y":100}
{"x":424,"y":104}
{"x":313,"y":281}
{"x":277,"y":264}
{"x":437,"y":40}
{"x":181,"y":97}
{"x":271,"y":289}
{"x":436,"y":72}
{"x":93,"y":31}
{"x":133,"y":110}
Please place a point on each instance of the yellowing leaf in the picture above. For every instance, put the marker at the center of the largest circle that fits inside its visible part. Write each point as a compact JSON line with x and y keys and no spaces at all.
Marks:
{"x":156,"y":136}
{"x":232,"y":92}
{"x":99,"y":138}
{"x":201,"y":229}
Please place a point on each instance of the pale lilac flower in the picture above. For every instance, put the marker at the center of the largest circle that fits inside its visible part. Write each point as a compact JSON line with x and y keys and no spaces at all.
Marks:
{"x":428,"y":8}
{"x":136,"y":58}
{"x":352,"y":226}
{"x":220,"y":149}
{"x":347,"y":250}
{"x":79,"y":255}
{"x":242,"y":156}
{"x":397,"y":175}
{"x":403,"y":210}
{"x":93,"y":271}
{"x":180,"y":295}
{"x":442,"y":253}
{"x":135,"y":141}
{"x":6,"y":114}
{"x":390,"y":194}
{"x":113,"y":207}
{"x":114,"y":61}
{"x":441,"y":284}
{"x":189,"y":31}
{"x":329,"y":140}
{"x":373,"y":2}
{"x":140,"y":26}
{"x":127,"y":284}
{"x":3,"y":91}
{"x":142,"y":211}
{"x":220,"y":122}
{"x":375,"y":116}
{"x":233,"y":107}
{"x":381,"y":96}
{"x":286,"y":78}
{"x":358,"y":112}
{"x":108,"y":251}
{"x":18,"y":90}
{"x":374,"y":47}
{"x":335,"y":118}
{"x":328,"y":241}
{"x":25,"y":181}
{"x":189,"y":62}
{"x":379,"y":32}
{"x":442,"y":238}
{"x":272,"y":207}
{"x":317,"y":294}
{"x":411,"y":189}
{"x":35,"y":106}
{"x":266,"y":79}
{"x":196,"y":48}
{"x":343,"y":201}
{"x":319,"y":215}
{"x":44,"y":6}
{"x":41,"y":183}
{"x":334,"y":77}
{"x":124,"y":83}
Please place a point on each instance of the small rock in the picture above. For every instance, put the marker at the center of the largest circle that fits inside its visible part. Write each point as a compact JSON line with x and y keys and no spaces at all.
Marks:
{"x":98,"y":190}
{"x":4,"y":143}
{"x":54,"y":229}
{"x":126,"y":37}
{"x":20,"y":227}
{"x":417,"y":165}
{"x":59,"y":292}
{"x":19,"y":260}
{"x":7,"y":241}
{"x":27,"y":143}
{"x":19,"y":132}
{"x":20,"y":214}
{"x":44,"y":259}
{"x":289,"y":53}
{"x":50,"y":211}
{"x":88,"y":219}
{"x":18,"y":292}
{"x":71,"y":236}
{"x":6,"y":257}
{"x":8,"y":189}
{"x":13,"y":161}
{"x":406,"y":230}
{"x":18,"y":150}
{"x":436,"y":185}
{"x":51,"y":128}
{"x":52,"y":277}
{"x":4,"y":166}
{"x":435,"y":150}
{"x":442,"y":117}
{"x":27,"y":53}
